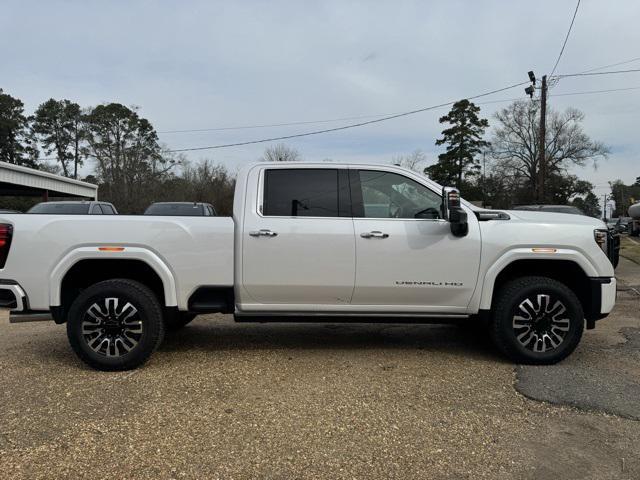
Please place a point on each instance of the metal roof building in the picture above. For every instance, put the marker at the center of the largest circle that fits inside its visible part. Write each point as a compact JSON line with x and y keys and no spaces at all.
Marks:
{"x":16,"y":180}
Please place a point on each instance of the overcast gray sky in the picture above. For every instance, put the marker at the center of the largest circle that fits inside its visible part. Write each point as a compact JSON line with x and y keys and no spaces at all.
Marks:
{"x":206,"y":64}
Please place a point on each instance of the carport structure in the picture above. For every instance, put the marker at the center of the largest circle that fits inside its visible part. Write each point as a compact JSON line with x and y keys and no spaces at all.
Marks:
{"x":19,"y":181}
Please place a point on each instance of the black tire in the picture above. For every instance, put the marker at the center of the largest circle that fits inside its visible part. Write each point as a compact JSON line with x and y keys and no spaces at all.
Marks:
{"x":527,"y":335}
{"x":175,"y":320}
{"x":111,"y":341}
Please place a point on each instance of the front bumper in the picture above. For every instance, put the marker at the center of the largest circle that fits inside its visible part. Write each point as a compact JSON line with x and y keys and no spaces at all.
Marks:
{"x":602,"y":299}
{"x":608,"y":296}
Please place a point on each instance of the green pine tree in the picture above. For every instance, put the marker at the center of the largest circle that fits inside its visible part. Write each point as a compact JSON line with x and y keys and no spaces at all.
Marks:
{"x":464,"y":142}
{"x":59,"y":125}
{"x":16,"y":144}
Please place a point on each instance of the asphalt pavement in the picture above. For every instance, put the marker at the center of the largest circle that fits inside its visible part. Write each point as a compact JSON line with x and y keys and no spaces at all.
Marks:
{"x":604,"y":373}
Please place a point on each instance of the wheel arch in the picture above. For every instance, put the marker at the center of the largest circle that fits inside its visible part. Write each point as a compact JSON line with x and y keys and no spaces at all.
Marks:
{"x":570,"y":268}
{"x":88,"y":265}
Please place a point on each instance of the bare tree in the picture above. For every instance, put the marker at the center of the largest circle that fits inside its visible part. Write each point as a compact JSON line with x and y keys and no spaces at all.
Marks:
{"x":411,"y":161}
{"x":207,"y":182}
{"x":280,"y":153}
{"x":514,"y":145}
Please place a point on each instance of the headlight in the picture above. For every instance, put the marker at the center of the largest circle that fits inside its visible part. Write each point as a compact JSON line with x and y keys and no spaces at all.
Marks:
{"x":601,"y":236}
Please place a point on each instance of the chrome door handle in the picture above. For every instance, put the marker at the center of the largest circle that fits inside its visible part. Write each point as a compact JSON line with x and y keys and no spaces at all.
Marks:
{"x":374,"y":234}
{"x":263,"y":233}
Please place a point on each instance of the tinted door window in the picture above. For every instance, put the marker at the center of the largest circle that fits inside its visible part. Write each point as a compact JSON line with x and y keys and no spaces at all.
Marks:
{"x":389,"y":195}
{"x":95,"y":210}
{"x":301,"y":192}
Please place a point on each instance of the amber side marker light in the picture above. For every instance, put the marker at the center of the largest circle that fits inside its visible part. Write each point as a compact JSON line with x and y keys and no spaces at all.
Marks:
{"x":544,"y":250}
{"x":111,"y":249}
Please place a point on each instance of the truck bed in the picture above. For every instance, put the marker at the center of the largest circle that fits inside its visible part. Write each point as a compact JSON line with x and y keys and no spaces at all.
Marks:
{"x":197,"y":251}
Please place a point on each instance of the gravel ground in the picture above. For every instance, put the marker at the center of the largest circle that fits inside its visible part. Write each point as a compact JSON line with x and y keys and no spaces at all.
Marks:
{"x":273,"y":401}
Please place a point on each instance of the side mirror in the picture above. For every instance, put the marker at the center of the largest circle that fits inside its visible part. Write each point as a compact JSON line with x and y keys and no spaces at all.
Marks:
{"x":453,"y":212}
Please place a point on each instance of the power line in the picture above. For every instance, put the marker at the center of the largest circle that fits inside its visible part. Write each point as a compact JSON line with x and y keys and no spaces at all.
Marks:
{"x":267,"y":125}
{"x":565,"y":39}
{"x":344,"y":127}
{"x":390,"y":117}
{"x":595,"y":91}
{"x":310,"y":122}
{"x":596,"y":73}
{"x":588,"y":92}
{"x":624,"y":62}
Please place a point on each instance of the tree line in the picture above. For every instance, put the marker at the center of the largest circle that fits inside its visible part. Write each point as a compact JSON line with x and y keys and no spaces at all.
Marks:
{"x":133,"y":169}
{"x":624,"y":196}
{"x":126,"y":158}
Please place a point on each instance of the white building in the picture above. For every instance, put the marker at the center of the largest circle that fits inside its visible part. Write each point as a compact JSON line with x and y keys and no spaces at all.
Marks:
{"x":21,"y":181}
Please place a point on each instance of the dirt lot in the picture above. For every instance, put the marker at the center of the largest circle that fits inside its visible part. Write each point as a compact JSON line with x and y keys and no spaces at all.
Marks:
{"x":225,"y":400}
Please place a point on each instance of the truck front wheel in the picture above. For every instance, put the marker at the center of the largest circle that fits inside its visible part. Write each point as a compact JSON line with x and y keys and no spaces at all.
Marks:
{"x":536,"y":320}
{"x":115,"y":325}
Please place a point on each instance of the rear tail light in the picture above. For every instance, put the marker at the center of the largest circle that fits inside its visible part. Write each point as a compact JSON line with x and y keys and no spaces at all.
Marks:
{"x":6,"y":234}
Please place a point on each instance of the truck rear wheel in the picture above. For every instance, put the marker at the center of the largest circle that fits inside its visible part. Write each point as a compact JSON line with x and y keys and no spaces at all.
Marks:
{"x":537,"y":320}
{"x":115,"y":325}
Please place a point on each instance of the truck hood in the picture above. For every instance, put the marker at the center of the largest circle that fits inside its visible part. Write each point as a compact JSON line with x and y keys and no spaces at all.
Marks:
{"x":555,"y":218}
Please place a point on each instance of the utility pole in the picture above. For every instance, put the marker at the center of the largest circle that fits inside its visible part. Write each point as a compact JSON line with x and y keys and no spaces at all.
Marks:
{"x":542,"y":164}
{"x":604,"y":208}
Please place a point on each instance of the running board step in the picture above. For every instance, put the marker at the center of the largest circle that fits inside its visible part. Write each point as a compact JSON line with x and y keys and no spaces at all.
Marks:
{"x":30,"y":317}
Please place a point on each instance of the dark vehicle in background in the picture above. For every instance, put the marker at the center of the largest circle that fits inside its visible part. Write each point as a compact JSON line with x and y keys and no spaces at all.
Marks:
{"x":612,"y":223}
{"x":74,"y":208}
{"x":620,"y":224}
{"x":182,"y":209}
{"x":612,"y":227}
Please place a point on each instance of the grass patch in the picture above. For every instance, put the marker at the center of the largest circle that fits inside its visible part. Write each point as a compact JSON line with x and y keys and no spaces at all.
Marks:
{"x":630,"y":248}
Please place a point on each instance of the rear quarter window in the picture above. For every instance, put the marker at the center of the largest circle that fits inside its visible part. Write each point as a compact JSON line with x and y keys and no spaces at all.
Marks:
{"x":301,"y":192}
{"x":57,"y":209}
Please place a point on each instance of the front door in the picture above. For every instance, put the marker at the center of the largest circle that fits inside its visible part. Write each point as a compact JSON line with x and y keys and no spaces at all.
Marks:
{"x":406,"y":256}
{"x":298,"y":245}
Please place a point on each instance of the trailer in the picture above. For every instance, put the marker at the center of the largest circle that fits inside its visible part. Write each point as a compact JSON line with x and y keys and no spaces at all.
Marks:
{"x":634,"y":225}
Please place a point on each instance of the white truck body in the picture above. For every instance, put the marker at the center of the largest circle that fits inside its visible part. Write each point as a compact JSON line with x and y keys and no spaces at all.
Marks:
{"x":309,"y":265}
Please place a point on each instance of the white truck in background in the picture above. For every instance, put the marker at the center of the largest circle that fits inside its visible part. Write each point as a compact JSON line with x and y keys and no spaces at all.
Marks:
{"x":313,"y":242}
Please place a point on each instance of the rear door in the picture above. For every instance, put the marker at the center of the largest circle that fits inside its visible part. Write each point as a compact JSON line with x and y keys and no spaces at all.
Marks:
{"x":407,"y":258}
{"x":298,"y":246}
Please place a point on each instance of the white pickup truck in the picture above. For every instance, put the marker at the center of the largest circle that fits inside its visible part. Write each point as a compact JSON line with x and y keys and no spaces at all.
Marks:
{"x":313,"y":242}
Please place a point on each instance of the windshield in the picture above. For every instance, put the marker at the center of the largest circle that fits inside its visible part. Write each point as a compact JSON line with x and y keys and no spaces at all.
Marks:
{"x":61,"y":208}
{"x":181,"y":209}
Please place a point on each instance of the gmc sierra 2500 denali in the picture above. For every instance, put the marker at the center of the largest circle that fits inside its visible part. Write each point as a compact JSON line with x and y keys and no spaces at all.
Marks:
{"x":319,"y":242}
